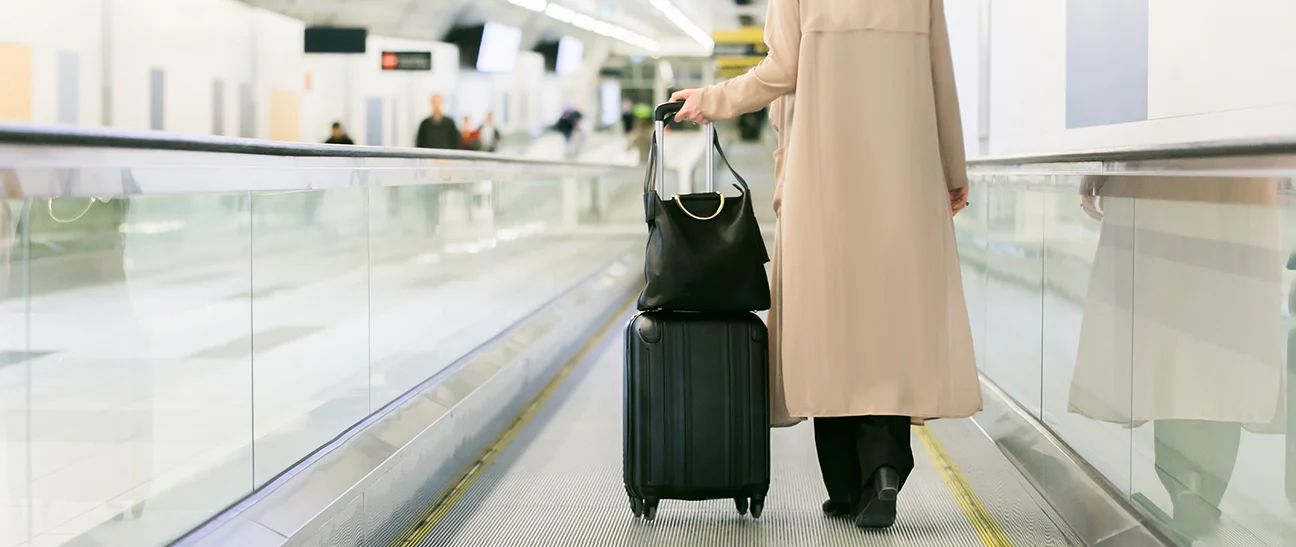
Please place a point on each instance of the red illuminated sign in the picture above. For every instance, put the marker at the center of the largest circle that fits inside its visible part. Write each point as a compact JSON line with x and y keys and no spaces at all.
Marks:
{"x":407,"y":60}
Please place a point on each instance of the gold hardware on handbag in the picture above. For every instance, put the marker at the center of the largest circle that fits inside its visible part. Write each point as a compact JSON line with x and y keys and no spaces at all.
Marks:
{"x":687,"y":212}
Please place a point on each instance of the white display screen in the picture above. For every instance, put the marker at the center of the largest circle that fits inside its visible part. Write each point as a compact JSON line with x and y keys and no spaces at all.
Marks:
{"x":571,"y":53}
{"x":610,"y":102}
{"x":499,"y":48}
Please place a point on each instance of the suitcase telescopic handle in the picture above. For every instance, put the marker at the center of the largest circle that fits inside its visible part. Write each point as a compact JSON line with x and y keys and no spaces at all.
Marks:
{"x":661,"y":114}
{"x":664,"y":111}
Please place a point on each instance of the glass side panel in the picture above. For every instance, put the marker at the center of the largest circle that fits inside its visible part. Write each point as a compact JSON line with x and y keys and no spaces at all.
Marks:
{"x":140,"y":424}
{"x":409,"y":279}
{"x":310,"y":313}
{"x":1014,"y":292}
{"x":1159,"y":335}
{"x":1088,"y":264}
{"x":15,"y":368}
{"x":1209,"y":391}
{"x":161,"y":356}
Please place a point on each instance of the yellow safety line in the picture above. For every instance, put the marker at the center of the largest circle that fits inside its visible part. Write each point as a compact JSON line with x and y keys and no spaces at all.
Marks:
{"x":990,"y":532}
{"x":443,"y":507}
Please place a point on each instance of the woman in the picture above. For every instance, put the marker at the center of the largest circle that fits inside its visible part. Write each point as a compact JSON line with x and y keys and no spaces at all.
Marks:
{"x":871,"y":328}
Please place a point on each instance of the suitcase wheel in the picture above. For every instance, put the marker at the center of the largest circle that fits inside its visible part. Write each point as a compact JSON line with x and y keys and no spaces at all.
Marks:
{"x":636,"y":506}
{"x":650,"y":509}
{"x":757,"y":506}
{"x":741,"y":503}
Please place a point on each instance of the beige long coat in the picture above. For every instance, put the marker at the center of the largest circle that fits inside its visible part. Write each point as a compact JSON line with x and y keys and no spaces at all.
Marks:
{"x":870,"y":318}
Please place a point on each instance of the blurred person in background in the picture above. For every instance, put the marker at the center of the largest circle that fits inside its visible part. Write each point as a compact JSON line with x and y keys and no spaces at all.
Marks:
{"x":569,"y":124}
{"x":869,"y":330}
{"x":640,"y":138}
{"x":339,"y":135}
{"x":438,"y":131}
{"x":489,"y":134}
{"x":627,"y":116}
{"x":469,"y":138}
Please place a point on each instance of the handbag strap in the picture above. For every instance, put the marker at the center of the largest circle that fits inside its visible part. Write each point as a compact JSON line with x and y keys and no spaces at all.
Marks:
{"x":720,"y":150}
{"x":650,"y":176}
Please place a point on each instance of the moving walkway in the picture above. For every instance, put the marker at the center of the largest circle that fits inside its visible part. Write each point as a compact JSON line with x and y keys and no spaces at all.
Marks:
{"x":229,"y":342}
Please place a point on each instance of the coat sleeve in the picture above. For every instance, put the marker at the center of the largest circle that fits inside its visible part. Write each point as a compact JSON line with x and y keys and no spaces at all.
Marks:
{"x":775,"y":76}
{"x":948,"y":120}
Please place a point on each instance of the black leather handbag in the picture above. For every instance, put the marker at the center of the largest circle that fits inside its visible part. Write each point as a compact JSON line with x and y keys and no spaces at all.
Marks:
{"x":705,"y":251}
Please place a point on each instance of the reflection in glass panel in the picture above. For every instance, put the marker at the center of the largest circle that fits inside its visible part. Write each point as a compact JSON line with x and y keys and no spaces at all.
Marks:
{"x":138,"y":434}
{"x":15,"y":500}
{"x":310,"y":313}
{"x":1013,"y":293}
{"x":1088,"y":264}
{"x":407,"y":264}
{"x":473,"y":261}
{"x":1208,"y":397}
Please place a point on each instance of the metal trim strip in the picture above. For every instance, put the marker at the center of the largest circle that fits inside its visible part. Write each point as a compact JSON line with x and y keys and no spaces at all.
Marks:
{"x":1195,"y":150}
{"x":1090,"y":505}
{"x":152,"y":140}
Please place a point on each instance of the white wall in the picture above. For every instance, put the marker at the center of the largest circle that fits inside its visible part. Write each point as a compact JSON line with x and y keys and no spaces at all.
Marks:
{"x":963,"y":19}
{"x":197,"y":42}
{"x":1216,"y":71}
{"x":296,"y":96}
{"x":341,"y":86}
{"x":1027,"y":72}
{"x":479,"y":94}
{"x":194,"y":43}
{"x":48,"y":27}
{"x":525,"y":110}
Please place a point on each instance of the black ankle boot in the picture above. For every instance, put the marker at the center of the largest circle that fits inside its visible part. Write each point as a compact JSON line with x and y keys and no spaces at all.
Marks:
{"x":834,"y":508}
{"x":878,"y":507}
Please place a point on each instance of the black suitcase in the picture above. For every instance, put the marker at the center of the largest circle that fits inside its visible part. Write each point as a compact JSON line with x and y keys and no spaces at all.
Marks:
{"x":696,"y":421}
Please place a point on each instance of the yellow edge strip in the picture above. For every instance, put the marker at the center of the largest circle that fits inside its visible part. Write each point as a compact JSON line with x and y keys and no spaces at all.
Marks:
{"x":990,"y":532}
{"x":443,"y":507}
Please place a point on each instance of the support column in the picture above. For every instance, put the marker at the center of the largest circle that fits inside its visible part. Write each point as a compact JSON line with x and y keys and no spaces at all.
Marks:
{"x":106,"y":62}
{"x":660,"y":90}
{"x":571,"y":200}
{"x":983,"y":80}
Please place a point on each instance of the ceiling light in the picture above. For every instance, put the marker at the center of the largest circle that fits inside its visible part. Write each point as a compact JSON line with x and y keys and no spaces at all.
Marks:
{"x":684,"y":23}
{"x":602,"y":28}
{"x":561,"y":13}
{"x":533,"y":5}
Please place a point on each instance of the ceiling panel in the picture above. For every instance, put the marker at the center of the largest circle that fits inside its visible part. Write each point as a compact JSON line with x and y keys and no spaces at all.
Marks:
{"x":430,"y":19}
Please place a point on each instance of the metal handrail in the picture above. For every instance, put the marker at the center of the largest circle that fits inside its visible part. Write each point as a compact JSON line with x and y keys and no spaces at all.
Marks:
{"x":155,"y":140}
{"x":1198,"y":150}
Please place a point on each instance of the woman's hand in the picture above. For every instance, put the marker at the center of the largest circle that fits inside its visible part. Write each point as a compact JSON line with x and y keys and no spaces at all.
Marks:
{"x":958,"y":200}
{"x":1090,"y":186}
{"x":692,"y":110}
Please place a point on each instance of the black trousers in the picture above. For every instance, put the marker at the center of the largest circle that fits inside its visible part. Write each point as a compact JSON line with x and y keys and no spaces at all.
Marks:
{"x":852,"y":448}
